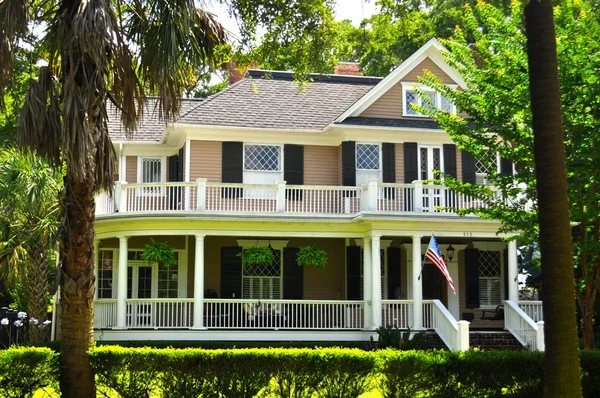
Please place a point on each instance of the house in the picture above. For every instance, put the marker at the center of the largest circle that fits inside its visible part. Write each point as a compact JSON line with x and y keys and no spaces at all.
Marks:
{"x":339,"y":165}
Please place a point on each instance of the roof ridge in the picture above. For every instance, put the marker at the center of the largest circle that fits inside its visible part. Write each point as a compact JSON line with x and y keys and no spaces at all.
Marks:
{"x":320,"y":77}
{"x":209,"y":99}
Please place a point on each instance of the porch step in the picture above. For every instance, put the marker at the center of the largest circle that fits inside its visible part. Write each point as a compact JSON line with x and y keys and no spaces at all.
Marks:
{"x":432,"y":341}
{"x":500,"y":340}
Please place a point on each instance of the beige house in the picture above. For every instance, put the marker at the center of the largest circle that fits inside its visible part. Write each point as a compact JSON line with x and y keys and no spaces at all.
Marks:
{"x":339,"y":165}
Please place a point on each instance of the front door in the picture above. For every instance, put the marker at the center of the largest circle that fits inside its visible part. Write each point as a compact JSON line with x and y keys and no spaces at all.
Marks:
{"x":430,"y":159}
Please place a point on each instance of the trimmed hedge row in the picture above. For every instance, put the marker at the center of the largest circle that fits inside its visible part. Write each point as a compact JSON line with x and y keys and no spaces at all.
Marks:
{"x":293,"y":373}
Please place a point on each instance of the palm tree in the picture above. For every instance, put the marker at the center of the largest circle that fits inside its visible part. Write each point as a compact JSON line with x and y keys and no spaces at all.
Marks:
{"x":28,"y":224}
{"x":561,"y":362}
{"x":98,"y":51}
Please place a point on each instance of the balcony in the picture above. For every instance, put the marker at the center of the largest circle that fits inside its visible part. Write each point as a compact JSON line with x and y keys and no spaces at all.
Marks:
{"x":282,"y":199}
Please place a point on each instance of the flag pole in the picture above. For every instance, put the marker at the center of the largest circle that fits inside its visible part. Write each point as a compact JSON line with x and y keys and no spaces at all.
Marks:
{"x":423,"y":265}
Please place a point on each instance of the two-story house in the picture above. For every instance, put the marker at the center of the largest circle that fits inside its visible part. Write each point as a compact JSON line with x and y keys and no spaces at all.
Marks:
{"x":340,"y":165}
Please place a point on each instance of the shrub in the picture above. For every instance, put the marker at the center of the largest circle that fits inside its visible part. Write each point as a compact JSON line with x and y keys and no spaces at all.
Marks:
{"x":25,"y":370}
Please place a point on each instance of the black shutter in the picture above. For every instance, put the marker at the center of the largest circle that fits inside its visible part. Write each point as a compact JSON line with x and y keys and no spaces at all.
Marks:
{"x":353,"y":273}
{"x":293,"y":275}
{"x":389,"y":168}
{"x":231,"y":272}
{"x":176,"y":194}
{"x":411,"y":162}
{"x":232,"y":167}
{"x":506,"y":167}
{"x":450,"y":159}
{"x":394,"y":275}
{"x":468,"y":167}
{"x":472,"y":278}
{"x":349,"y":163}
{"x":173,"y":166}
{"x":293,"y":169}
{"x":506,"y":281}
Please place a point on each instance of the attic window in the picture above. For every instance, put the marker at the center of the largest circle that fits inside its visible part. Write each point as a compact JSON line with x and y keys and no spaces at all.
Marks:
{"x":410,"y":96}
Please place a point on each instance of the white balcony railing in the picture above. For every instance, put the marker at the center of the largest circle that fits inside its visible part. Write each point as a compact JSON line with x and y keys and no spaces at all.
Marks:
{"x":533,"y":308}
{"x":528,"y":332}
{"x":279,"y":198}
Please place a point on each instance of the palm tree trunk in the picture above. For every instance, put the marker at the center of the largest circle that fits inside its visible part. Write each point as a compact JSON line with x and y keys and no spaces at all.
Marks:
{"x":37,"y":289}
{"x":561,"y":362}
{"x":77,"y":288}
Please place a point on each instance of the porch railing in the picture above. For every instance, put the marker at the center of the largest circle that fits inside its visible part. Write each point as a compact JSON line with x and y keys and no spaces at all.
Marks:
{"x":533,"y":308}
{"x":397,"y":313}
{"x":105,"y":313}
{"x":454,"y":334}
{"x":528,"y":332}
{"x":280,"y":198}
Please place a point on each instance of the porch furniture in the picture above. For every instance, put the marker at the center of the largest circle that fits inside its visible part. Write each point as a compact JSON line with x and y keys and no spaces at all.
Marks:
{"x":468,"y":316}
{"x":497,"y":315}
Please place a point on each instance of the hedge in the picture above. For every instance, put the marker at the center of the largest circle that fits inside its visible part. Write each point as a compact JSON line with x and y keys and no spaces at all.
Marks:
{"x":24,"y":370}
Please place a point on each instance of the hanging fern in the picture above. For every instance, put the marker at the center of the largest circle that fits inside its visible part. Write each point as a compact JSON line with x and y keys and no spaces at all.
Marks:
{"x":160,"y":253}
{"x":256,"y":255}
{"x":312,"y":256}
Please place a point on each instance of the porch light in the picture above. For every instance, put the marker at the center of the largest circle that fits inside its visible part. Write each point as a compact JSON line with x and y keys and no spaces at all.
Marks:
{"x":450,"y":252}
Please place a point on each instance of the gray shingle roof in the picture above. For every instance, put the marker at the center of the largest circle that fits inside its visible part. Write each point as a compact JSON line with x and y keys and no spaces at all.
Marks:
{"x":152,"y":125}
{"x":383,"y":122}
{"x":272,"y":100}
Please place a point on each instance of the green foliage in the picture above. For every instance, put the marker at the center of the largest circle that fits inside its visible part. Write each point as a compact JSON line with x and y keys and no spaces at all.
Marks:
{"x":312,"y":256}
{"x":25,"y":370}
{"x":256,"y":255}
{"x":341,"y":372}
{"x":160,"y":253}
{"x":393,"y":337}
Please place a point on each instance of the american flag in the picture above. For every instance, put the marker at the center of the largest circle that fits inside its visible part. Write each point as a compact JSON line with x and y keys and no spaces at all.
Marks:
{"x":434,"y":254}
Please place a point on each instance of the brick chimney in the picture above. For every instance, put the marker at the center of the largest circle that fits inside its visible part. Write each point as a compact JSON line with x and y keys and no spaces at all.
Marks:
{"x":348,"y":69}
{"x":235,"y":74}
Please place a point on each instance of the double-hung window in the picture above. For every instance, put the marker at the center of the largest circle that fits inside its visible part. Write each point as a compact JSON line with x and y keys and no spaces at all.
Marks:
{"x":368,"y":162}
{"x":263,"y":281}
{"x":262,"y":166}
{"x":432,"y":100}
{"x":151,"y":169}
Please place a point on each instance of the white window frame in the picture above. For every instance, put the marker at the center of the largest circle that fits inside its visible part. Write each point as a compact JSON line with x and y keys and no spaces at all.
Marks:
{"x":483,"y":176}
{"x":272,"y":176}
{"x":140,"y":176}
{"x":276,"y":245}
{"x":412,"y":87}
{"x":488,"y":281}
{"x":113,"y":280}
{"x":359,"y":171}
{"x":136,"y":264}
{"x":430,"y":159}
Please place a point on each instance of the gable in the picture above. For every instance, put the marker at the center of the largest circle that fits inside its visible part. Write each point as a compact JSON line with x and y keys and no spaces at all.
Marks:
{"x":389,"y":105}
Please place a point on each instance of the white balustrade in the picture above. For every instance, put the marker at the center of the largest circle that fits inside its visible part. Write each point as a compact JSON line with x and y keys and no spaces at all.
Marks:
{"x":398,"y":313}
{"x":528,"y":332}
{"x":159,"y":313}
{"x":280,"y":198}
{"x":534,"y":309}
{"x":311,"y":199}
{"x":454,"y":334}
{"x":105,"y":313}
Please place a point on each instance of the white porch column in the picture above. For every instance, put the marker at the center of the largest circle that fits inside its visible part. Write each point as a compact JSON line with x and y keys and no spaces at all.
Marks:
{"x":199,"y":284}
{"x":122,"y":288}
{"x":453,"y":304}
{"x":376,"y":281}
{"x":513,"y":283}
{"x":96,"y":262}
{"x":417,"y":286}
{"x":367,"y":291}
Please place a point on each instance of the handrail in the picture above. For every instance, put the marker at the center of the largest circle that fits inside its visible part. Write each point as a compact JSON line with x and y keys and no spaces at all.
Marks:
{"x":454,"y":334}
{"x":526,"y":330}
{"x":533,"y":308}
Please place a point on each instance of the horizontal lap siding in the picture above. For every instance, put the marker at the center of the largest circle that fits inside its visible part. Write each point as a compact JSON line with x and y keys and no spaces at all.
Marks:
{"x":389,"y":105}
{"x":400,"y":163}
{"x":131,"y":169}
{"x":205,"y":160}
{"x":339,"y":165}
{"x":321,"y":165}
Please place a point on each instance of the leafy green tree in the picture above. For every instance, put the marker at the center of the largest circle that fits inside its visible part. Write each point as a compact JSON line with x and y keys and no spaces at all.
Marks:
{"x":28,"y":223}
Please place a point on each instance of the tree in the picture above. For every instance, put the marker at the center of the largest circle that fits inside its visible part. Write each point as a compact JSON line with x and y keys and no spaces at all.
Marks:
{"x":98,"y":51}
{"x":28,"y":224}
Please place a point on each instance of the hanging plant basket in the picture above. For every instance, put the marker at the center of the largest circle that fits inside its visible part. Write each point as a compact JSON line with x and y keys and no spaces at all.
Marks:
{"x":256,"y":255}
{"x":159,"y":253}
{"x":311,"y":256}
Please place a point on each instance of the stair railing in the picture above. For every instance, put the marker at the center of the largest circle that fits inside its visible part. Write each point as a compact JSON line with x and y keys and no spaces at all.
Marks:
{"x":454,"y":334}
{"x":528,"y":332}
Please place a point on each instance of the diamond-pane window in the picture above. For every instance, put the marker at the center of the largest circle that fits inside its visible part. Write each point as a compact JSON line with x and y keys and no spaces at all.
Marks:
{"x":262,"y":158}
{"x":263,"y":281}
{"x":367,"y":156}
{"x":446,"y":104}
{"x":489,"y":264}
{"x":410,"y":98}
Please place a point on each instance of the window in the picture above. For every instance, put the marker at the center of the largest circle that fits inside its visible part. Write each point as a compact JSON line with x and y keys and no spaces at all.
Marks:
{"x":412,"y":97}
{"x":151,"y":280}
{"x":482,"y":169}
{"x":152,"y":169}
{"x":263,"y":281}
{"x":167,"y":281}
{"x":368,"y":162}
{"x":262,"y":166}
{"x":490,"y":277}
{"x":105,"y":274}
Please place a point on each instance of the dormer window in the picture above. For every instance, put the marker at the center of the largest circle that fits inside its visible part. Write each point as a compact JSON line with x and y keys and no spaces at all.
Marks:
{"x":410,"y":96}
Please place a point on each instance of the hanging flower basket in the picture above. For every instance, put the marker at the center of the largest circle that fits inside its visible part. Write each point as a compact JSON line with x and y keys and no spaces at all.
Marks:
{"x":312,"y":256}
{"x":256,"y":255}
{"x":159,"y":253}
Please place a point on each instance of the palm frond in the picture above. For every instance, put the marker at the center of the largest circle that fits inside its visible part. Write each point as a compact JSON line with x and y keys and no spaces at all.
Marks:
{"x":14,"y":17}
